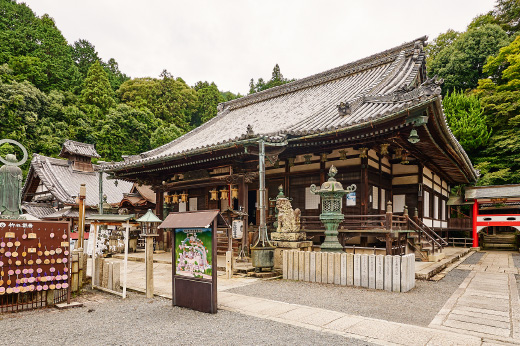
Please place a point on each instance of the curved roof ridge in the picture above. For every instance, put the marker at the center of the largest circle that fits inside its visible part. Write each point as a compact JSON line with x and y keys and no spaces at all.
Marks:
{"x":326,"y":76}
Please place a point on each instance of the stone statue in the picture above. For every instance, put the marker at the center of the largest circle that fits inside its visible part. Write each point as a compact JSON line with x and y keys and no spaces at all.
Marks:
{"x":288,"y":219}
{"x":10,"y":188}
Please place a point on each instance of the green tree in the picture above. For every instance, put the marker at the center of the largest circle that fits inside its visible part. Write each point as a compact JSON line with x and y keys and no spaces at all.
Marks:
{"x":277,"y":79}
{"x":208,"y":98}
{"x":460,"y":64}
{"x":507,"y":14}
{"x":84,"y":54}
{"x":465,"y":118}
{"x":22,"y":33}
{"x":499,"y":163}
{"x":97,"y":91}
{"x":115,"y":76}
{"x":124,"y":131}
{"x":439,"y":43}
{"x":165,"y":133}
{"x":27,"y":68}
{"x":139,"y":92}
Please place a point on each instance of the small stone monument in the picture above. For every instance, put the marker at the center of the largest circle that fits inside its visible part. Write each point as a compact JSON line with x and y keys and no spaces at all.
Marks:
{"x":288,"y":235}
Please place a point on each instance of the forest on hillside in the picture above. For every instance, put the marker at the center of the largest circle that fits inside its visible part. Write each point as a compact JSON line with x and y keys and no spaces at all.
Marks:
{"x":52,"y":90}
{"x":481,"y":72}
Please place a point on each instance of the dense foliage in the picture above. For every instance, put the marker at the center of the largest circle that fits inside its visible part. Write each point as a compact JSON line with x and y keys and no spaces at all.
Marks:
{"x":481,"y":69}
{"x":51,"y":91}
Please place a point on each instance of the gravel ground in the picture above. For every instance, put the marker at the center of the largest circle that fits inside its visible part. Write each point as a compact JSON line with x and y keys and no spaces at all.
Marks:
{"x":138,"y":321}
{"x":418,"y":306}
{"x":474,"y":258}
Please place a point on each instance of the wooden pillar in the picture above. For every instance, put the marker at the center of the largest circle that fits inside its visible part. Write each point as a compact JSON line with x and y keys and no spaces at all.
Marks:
{"x":420,"y":191}
{"x":159,"y":205}
{"x":474,"y":217}
{"x":286,"y":182}
{"x":364,"y":185}
{"x":149,"y":266}
{"x":380,"y":204}
{"x":243,"y":201}
{"x":322,"y":173}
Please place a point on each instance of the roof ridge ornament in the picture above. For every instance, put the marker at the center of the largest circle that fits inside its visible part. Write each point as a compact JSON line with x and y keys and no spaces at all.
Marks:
{"x":430,"y":87}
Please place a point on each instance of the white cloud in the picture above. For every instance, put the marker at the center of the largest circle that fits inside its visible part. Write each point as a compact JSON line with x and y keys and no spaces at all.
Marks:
{"x":230,"y":42}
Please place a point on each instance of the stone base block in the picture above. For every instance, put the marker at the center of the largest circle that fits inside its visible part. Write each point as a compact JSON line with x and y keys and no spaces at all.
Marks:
{"x":292,"y":244}
{"x":278,"y":255}
{"x":288,"y":236}
{"x":436,"y":257}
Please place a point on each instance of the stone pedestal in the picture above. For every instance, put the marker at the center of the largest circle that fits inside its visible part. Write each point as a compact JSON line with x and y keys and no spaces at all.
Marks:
{"x":282,"y":245}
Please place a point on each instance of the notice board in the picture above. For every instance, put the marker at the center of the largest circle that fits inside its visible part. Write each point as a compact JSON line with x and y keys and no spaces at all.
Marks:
{"x":194,"y":259}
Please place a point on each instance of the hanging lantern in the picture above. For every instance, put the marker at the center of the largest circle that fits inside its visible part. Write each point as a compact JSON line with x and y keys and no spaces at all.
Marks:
{"x":174,"y":198}
{"x":214,"y":195}
{"x":224,"y":194}
{"x":184,"y":197}
{"x":234,"y":193}
{"x":167,"y":199}
{"x":384,"y":149}
{"x":404,"y":158}
{"x":398,"y":153}
{"x":414,"y":137}
{"x":364,"y":153}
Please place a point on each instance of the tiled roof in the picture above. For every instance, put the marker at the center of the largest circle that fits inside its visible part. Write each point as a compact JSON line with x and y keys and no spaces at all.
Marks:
{"x":64,"y":183}
{"x":354,"y":95}
{"x":38,"y":210}
{"x":308,"y":105}
{"x":78,"y":148}
{"x":495,"y":191}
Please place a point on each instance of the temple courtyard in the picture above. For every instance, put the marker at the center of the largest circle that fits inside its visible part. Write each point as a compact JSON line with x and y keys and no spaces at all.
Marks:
{"x":475,"y":303}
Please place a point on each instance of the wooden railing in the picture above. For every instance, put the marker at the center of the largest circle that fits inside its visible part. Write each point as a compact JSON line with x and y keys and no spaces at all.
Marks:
{"x":360,"y":222}
{"x":465,"y":242}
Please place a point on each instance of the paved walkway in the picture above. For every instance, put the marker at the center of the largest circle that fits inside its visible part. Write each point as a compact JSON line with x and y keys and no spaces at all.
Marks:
{"x":487,"y":303}
{"x":483,"y":311}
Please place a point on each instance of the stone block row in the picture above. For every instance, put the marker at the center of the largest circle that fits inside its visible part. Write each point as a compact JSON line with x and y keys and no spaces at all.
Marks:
{"x":390,"y":273}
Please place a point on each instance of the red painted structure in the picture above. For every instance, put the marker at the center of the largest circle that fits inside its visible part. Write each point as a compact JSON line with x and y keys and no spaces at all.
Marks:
{"x":475,"y":214}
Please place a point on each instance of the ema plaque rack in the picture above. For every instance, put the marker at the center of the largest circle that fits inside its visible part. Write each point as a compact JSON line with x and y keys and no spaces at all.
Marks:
{"x":34,"y":260}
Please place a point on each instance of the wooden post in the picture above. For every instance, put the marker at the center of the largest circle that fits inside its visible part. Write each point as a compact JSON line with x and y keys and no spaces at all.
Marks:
{"x":364,"y":178}
{"x":229,"y":267}
{"x":149,"y":266}
{"x":244,"y":202}
{"x":125,"y":263}
{"x":389,"y":216}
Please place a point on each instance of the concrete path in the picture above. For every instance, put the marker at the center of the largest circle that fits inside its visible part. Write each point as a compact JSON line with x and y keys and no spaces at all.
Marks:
{"x":487,"y":303}
{"x":327,"y":321}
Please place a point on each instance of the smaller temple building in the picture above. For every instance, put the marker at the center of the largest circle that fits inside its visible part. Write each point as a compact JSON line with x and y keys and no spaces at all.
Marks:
{"x":52,"y":186}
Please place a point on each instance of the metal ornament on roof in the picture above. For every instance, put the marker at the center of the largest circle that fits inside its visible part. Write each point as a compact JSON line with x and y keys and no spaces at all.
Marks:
{"x":331,"y":193}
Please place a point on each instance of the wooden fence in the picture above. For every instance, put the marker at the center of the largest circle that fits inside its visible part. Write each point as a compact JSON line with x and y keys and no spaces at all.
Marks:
{"x":390,"y":273}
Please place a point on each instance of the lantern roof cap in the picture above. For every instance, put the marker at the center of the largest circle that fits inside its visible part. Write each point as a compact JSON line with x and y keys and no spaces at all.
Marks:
{"x":149,"y":217}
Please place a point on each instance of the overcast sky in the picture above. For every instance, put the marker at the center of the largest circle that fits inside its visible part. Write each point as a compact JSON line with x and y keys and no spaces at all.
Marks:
{"x":230,"y":42}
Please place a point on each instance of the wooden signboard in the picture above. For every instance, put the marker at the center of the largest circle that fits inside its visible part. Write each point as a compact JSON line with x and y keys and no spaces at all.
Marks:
{"x":194,"y":259}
